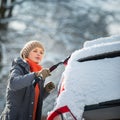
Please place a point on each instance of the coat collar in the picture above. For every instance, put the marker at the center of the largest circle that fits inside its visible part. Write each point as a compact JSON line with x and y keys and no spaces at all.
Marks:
{"x":21,"y":62}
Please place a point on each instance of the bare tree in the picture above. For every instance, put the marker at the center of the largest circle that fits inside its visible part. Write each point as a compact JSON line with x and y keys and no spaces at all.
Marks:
{"x":6,"y":9}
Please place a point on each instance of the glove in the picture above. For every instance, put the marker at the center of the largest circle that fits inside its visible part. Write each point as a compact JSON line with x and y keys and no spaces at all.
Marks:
{"x":49,"y":87}
{"x":43,"y":73}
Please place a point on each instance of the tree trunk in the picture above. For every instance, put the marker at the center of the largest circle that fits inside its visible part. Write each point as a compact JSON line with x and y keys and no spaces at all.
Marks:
{"x":3,"y":9}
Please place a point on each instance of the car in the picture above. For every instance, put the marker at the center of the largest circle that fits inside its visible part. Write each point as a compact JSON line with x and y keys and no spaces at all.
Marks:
{"x":90,"y":84}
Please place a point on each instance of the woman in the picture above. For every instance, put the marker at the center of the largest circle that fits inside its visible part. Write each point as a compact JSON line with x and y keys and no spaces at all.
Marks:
{"x":25,"y":90}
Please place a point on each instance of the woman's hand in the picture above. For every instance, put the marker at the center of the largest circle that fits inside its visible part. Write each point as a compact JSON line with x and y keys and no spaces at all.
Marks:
{"x":49,"y":87}
{"x":45,"y":72}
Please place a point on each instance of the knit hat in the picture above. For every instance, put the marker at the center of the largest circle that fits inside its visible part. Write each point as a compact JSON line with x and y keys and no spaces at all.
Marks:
{"x":30,"y":46}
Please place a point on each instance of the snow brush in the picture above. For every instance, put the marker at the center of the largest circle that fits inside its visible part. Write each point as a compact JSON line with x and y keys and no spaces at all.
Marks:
{"x":56,"y":65}
{"x":51,"y":69}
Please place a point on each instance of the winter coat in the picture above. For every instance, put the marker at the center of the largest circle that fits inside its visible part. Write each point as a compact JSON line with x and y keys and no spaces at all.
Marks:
{"x":20,"y":93}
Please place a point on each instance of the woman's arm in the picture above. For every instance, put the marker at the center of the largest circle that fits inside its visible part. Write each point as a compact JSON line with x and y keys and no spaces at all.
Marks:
{"x":18,"y":79}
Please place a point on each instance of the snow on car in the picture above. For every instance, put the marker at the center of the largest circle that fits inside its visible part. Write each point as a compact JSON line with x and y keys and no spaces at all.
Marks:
{"x":91,"y":77}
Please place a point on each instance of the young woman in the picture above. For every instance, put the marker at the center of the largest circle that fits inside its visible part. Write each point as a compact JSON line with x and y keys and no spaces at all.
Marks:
{"x":25,"y":89}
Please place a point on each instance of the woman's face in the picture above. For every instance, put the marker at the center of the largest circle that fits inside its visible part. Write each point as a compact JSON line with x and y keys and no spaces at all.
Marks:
{"x":36,"y":54}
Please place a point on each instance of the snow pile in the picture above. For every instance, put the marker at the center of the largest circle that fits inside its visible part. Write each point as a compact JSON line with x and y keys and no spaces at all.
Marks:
{"x":91,"y":81}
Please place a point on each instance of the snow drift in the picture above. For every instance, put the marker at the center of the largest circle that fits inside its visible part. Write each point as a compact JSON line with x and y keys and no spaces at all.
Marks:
{"x":91,"y":76}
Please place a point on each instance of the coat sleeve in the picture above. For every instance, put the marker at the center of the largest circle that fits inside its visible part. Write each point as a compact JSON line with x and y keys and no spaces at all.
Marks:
{"x":18,"y":80}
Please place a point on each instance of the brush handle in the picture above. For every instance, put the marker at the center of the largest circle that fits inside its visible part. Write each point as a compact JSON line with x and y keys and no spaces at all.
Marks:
{"x":54,"y":66}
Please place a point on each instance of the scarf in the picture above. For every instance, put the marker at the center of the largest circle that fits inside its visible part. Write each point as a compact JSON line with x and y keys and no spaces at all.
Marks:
{"x":34,"y":67}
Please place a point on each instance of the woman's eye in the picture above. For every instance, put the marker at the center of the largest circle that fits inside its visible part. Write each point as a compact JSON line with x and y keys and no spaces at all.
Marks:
{"x":41,"y":52}
{"x":35,"y":51}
